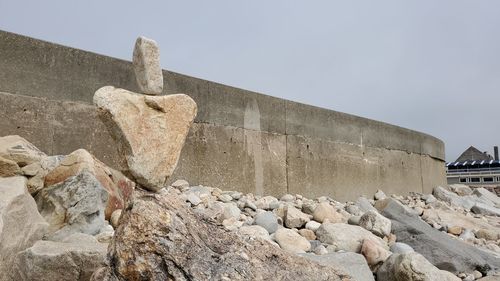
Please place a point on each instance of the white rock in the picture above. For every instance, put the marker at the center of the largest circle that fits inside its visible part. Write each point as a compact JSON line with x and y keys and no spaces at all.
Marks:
{"x":19,"y":150}
{"x":146,"y":60}
{"x":180,"y":184}
{"x":379,"y":195}
{"x":231,"y":211}
{"x":313,"y":225}
{"x":115,"y":218}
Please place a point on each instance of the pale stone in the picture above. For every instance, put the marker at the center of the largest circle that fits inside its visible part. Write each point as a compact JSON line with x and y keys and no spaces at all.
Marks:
{"x":180,"y":184}
{"x":19,"y":150}
{"x":295,"y":218}
{"x":62,"y":261}
{"x":20,"y":223}
{"x":150,"y":131}
{"x":461,"y":189}
{"x":291,"y":241}
{"x":376,"y":223}
{"x":346,"y":237}
{"x":39,"y":170}
{"x":401,"y":248}
{"x":8,"y":168}
{"x":325,"y":211}
{"x":115,"y":218}
{"x":379,"y":195}
{"x":455,"y":230}
{"x":146,"y":60}
{"x":313,"y":225}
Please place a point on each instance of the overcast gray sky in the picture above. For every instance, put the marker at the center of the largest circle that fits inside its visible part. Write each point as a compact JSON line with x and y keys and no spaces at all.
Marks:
{"x":431,"y":66}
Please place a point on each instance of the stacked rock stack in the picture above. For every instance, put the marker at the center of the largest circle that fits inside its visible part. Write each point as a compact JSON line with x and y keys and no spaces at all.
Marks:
{"x":130,"y":117}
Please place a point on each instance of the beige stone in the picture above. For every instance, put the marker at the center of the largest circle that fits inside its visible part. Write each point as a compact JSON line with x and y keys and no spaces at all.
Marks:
{"x":374,"y":253}
{"x":291,"y":241}
{"x":455,"y":230}
{"x":19,"y":150}
{"x":295,"y":218}
{"x":307,"y":233}
{"x":150,"y":131}
{"x":325,"y":211}
{"x":115,"y":218}
{"x":146,"y":60}
{"x":8,"y":168}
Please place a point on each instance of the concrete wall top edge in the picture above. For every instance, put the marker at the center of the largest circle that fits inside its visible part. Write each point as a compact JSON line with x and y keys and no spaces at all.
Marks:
{"x":38,"y":68}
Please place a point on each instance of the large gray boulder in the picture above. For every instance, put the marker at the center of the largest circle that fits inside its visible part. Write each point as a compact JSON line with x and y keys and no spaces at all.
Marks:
{"x":483,"y":193}
{"x":160,"y":238}
{"x":412,"y":267}
{"x":465,"y":202}
{"x":352,"y":263}
{"x":484,"y":209}
{"x":75,"y":205}
{"x":63,"y":261}
{"x":440,"y":249}
{"x":20,"y":223}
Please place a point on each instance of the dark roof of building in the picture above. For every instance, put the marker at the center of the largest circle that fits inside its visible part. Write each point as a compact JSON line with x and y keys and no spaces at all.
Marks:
{"x":474,"y":154}
{"x":473,"y":163}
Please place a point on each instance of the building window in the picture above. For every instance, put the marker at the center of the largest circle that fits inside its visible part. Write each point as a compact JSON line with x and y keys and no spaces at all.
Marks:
{"x":487,"y":179}
{"x":475,"y":180}
{"x":463,"y":179}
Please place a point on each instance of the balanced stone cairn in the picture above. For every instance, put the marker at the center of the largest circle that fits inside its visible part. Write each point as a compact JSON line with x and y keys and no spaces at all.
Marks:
{"x":150,"y":130}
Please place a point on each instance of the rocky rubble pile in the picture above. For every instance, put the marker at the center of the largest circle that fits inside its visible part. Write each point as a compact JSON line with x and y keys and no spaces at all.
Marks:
{"x":84,"y":210}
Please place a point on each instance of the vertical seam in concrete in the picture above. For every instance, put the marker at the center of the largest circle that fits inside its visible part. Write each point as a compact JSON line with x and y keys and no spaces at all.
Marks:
{"x":286,"y":149}
{"x":421,"y":171}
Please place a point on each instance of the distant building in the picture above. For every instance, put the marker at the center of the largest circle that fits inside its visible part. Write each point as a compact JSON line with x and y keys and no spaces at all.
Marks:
{"x":475,"y":168}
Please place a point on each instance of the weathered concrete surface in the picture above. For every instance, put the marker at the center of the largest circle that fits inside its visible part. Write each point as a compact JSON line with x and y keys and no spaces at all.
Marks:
{"x":240,"y":140}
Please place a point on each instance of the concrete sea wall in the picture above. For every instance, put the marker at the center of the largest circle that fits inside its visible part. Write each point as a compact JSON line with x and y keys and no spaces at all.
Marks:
{"x":241,"y":140}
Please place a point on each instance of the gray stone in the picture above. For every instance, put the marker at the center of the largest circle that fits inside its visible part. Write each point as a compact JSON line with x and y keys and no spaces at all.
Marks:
{"x":193,"y":198}
{"x":352,"y":263}
{"x":452,"y":198}
{"x":231,"y":211}
{"x":75,"y":205}
{"x":48,"y":261}
{"x":365,"y":205}
{"x":467,"y":235}
{"x":255,"y":231}
{"x":483,"y":193}
{"x":345,"y":237}
{"x":428,"y":198}
{"x":376,"y":223}
{"x":20,"y":223}
{"x":484,"y":209}
{"x":461,"y":189}
{"x":354,"y":210}
{"x":354,"y":220}
{"x":308,"y":207}
{"x":439,"y":248}
{"x":401,"y":248}
{"x":146,"y":60}
{"x":267,"y":220}
{"x":287,"y":198}
{"x":412,"y":267}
